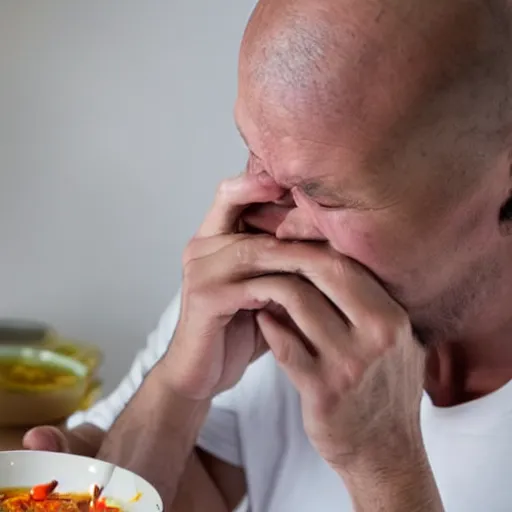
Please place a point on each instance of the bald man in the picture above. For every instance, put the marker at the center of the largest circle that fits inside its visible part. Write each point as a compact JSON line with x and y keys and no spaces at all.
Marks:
{"x":364,"y":256}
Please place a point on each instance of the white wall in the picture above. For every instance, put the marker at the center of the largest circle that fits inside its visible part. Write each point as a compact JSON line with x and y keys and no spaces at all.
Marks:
{"x":115,"y":126}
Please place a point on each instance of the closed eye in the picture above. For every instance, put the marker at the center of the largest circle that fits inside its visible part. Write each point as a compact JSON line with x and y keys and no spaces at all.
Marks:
{"x":332,"y":204}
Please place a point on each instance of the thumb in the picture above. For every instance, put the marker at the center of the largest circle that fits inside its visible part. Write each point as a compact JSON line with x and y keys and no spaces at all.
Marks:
{"x":47,"y":438}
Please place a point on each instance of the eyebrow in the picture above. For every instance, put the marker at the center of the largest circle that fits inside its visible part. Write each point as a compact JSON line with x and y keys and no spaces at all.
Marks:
{"x":316,"y":189}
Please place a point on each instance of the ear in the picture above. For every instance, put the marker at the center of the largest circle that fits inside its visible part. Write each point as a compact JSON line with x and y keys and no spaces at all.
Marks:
{"x":506,"y":211}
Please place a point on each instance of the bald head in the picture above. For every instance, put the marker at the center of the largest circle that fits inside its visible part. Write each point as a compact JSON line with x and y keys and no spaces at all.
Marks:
{"x":380,"y":65}
{"x":390,"y":121}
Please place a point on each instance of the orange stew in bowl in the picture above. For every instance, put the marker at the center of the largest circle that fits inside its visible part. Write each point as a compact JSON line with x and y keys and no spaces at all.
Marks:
{"x":43,"y":498}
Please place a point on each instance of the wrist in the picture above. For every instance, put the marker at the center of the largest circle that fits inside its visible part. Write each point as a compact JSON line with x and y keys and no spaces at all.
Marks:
{"x":391,"y":455}
{"x":185,"y":408}
{"x":396,"y":483}
{"x":160,"y":413}
{"x":391,"y":447}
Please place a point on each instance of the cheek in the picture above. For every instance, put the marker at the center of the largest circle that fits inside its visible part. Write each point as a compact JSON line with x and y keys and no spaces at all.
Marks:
{"x":367,"y":241}
{"x":370,"y":238}
{"x":350,"y":235}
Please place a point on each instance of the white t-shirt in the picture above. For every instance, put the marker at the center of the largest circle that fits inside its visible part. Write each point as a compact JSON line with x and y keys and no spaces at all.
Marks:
{"x":258,"y":425}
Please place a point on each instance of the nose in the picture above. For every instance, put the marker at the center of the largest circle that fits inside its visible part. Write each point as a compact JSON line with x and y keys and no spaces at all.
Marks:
{"x":283,"y":222}
{"x":299,"y":225}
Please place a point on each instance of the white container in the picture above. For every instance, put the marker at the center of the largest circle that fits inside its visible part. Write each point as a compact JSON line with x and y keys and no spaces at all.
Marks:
{"x":76,"y":474}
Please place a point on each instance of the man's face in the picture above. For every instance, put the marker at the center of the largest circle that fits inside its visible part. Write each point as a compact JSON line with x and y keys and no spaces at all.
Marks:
{"x":403,"y":209}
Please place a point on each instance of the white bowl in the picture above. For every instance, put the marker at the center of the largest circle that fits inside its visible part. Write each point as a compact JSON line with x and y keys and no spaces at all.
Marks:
{"x":76,"y":474}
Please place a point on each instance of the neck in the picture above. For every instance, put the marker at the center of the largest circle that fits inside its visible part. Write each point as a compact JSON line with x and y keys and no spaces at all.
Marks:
{"x":463,"y":370}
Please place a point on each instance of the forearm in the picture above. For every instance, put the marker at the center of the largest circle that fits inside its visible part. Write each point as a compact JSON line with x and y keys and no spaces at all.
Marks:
{"x":155,"y":437}
{"x":196,"y":491}
{"x":410,"y":488}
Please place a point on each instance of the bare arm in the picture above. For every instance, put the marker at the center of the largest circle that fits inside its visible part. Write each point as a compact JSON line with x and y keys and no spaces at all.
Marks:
{"x":411,"y":488}
{"x":155,"y":437}
{"x":211,"y":348}
{"x":205,"y":472}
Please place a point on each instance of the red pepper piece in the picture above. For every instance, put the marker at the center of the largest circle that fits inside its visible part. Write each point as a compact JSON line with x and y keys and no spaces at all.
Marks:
{"x":100,"y":505}
{"x":41,"y":492}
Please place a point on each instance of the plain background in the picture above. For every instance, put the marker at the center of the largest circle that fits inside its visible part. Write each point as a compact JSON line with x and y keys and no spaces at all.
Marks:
{"x":115,"y":127}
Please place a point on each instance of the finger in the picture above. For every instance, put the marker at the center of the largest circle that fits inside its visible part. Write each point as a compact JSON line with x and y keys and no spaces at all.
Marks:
{"x":203,"y":247}
{"x":225,"y":258}
{"x":261,"y":347}
{"x":306,"y":306}
{"x":235,"y":257}
{"x":347,"y":284}
{"x":287,"y":348}
{"x":233,"y":196}
{"x":46,"y":438}
{"x":323,"y":327}
{"x":309,"y":310}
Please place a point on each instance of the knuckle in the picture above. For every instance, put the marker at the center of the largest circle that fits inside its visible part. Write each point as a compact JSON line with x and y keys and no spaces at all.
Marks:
{"x":250,"y":249}
{"x":387,"y":330}
{"x":382,"y":333}
{"x":200,"y":296}
{"x":340,"y":268}
{"x":264,"y":243}
{"x":346,"y":269}
{"x":189,"y":252}
{"x":268,"y":243}
{"x":245,"y":252}
{"x":189,"y":272}
{"x":224,"y":190}
{"x":352,"y":374}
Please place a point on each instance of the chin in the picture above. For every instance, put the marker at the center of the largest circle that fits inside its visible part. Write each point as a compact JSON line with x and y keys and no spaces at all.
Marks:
{"x":427,"y":335}
{"x":437,"y":325}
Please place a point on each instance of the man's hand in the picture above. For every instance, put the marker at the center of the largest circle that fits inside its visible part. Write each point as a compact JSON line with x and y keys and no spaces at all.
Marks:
{"x":47,"y":439}
{"x":217,"y":335}
{"x":359,"y":372}
{"x":355,"y":363}
{"x":344,"y":342}
{"x":83,"y":440}
{"x":348,"y":349}
{"x":205,"y":357}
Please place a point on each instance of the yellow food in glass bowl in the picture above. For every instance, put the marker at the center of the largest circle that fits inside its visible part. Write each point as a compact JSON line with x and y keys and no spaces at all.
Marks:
{"x":89,"y":355}
{"x":16,"y":374}
{"x":38,"y":335}
{"x":39,"y":386}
